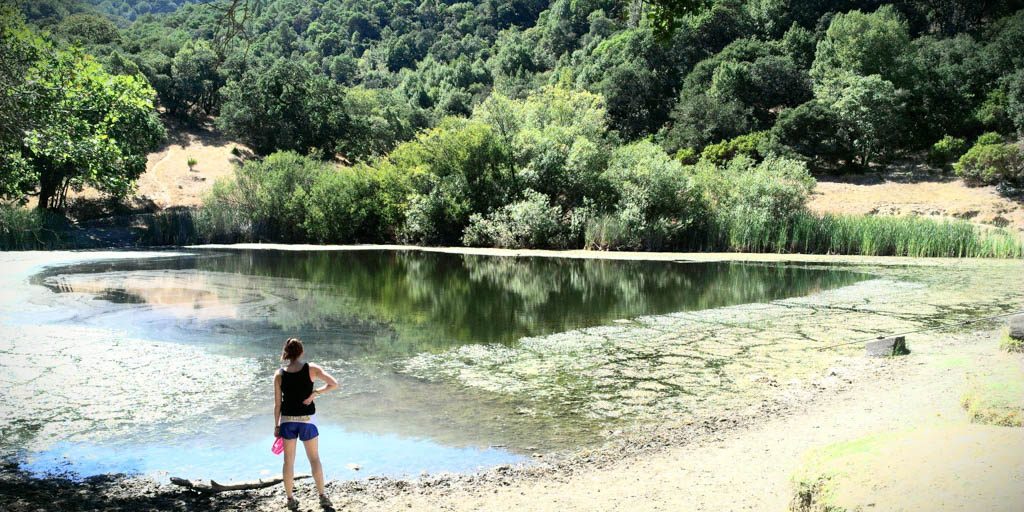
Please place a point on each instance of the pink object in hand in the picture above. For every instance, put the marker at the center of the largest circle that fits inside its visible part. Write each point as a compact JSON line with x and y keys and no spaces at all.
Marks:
{"x":278,"y":447}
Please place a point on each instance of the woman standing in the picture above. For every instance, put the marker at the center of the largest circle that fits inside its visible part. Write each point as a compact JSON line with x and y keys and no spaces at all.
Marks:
{"x":293,"y":414}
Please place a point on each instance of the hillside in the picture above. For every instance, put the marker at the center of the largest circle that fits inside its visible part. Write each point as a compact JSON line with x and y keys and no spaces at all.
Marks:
{"x":686,"y":126}
{"x":899,"y":192}
{"x":168,"y":180}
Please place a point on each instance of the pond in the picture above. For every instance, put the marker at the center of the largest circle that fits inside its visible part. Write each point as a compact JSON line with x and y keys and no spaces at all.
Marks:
{"x":161,"y":366}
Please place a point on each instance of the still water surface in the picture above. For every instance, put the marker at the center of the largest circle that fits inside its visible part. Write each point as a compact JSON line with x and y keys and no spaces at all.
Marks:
{"x":361,"y":314}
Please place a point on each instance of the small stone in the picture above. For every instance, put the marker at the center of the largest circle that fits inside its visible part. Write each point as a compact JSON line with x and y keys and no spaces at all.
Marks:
{"x":1017,"y":327}
{"x":886,"y":347}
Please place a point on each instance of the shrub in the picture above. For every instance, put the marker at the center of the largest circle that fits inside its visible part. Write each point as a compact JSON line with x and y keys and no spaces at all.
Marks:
{"x":191,"y":162}
{"x":687,"y":156}
{"x":988,"y":138}
{"x":1015,"y":103}
{"x":267,"y":199}
{"x":655,"y":202}
{"x":946,"y":150}
{"x":340,"y":207}
{"x":752,"y":204}
{"x":753,"y":145}
{"x":992,"y":164}
{"x":531,"y":223}
{"x":457,"y":169}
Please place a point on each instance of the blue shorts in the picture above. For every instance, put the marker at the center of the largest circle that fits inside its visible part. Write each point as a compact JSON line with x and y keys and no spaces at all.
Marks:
{"x":303,"y":431}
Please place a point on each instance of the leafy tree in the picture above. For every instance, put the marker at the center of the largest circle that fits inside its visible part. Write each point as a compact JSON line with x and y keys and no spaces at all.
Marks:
{"x":863,"y":44}
{"x":377,"y":121}
{"x":283,"y":107}
{"x":815,"y":132}
{"x":947,"y":81}
{"x":667,"y":15}
{"x":195,"y":81}
{"x":1004,"y":50}
{"x":84,"y":126}
{"x":700,"y":119}
{"x":869,"y":110}
{"x":765,"y":84}
{"x":953,"y":16}
{"x":557,"y":140}
{"x":636,"y":79}
{"x":87,"y":29}
{"x":1015,"y":100}
{"x":458,"y":169}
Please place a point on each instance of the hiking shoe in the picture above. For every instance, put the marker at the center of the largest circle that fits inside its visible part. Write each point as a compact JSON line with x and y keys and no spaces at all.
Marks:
{"x":293,"y":504}
{"x":325,"y":502}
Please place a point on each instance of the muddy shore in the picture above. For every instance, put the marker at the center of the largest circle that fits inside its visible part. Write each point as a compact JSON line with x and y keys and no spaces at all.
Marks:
{"x":20,"y":492}
{"x":849,"y":377}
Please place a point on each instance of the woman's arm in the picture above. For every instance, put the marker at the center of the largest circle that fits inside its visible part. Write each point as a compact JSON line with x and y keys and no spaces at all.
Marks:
{"x":277,"y":402}
{"x":330,"y":383}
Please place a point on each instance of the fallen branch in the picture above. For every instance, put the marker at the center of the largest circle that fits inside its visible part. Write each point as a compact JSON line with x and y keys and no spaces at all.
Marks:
{"x":213,"y":486}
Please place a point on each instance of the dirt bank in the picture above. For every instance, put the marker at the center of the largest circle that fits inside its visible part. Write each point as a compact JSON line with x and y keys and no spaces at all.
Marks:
{"x":909,"y":191}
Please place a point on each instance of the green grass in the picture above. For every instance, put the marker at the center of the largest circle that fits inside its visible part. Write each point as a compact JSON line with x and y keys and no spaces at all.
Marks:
{"x":185,"y":226}
{"x":870,"y":236}
{"x":998,"y":398}
{"x":1011,"y":344}
{"x":804,"y":233}
{"x":24,"y":229}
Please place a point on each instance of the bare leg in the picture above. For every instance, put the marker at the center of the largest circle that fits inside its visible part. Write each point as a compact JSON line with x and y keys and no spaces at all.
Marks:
{"x":288,"y":471}
{"x":313,"y":454}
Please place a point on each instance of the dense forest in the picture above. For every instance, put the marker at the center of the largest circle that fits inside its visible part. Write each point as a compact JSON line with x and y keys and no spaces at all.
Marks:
{"x":609,"y":123}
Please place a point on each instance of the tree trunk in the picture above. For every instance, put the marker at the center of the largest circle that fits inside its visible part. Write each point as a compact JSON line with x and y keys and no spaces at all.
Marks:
{"x":50,"y":182}
{"x":46,"y":193}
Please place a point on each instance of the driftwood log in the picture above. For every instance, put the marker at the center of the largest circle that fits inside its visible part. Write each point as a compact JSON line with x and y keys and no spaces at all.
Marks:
{"x":214,"y":487}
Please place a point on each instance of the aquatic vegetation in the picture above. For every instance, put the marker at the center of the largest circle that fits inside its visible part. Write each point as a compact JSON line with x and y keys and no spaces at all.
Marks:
{"x":886,"y":236}
{"x":683,"y":364}
{"x":997,"y":398}
{"x":24,"y":229}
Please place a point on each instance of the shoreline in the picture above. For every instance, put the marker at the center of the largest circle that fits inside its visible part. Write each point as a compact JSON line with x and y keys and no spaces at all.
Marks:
{"x":694,"y":257}
{"x":661,"y":443}
{"x":855,"y":375}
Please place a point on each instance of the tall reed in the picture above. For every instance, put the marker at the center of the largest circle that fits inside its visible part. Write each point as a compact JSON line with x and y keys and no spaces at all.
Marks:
{"x":874,"y":236}
{"x":28,"y":229}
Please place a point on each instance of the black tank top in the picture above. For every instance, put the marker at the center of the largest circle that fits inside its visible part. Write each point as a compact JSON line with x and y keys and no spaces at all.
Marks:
{"x":296,"y":387}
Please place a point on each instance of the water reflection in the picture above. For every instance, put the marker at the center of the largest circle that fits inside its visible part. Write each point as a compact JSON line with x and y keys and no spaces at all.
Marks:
{"x":213,"y":323}
{"x":385,"y":304}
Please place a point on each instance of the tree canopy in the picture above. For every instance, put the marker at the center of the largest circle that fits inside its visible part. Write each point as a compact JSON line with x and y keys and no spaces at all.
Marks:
{"x":72,"y":123}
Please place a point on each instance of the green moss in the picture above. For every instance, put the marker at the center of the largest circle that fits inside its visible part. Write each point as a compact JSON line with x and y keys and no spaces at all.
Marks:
{"x":1011,"y":344}
{"x":953,"y":362}
{"x":998,"y":398}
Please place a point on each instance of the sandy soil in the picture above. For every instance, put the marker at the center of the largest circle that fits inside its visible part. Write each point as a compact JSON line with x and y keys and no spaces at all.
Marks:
{"x":903,"y":192}
{"x":168,"y":181}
